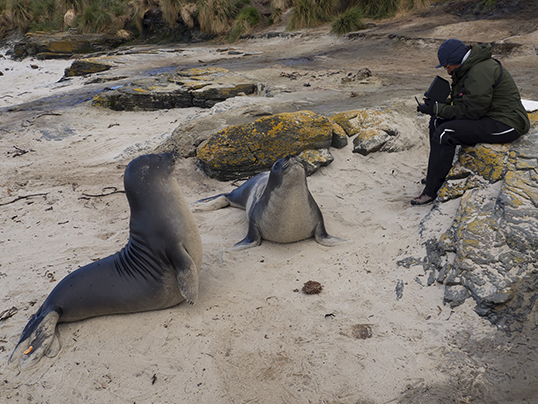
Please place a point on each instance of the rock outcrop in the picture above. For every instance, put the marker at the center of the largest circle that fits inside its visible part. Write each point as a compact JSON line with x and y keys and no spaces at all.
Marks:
{"x":490,"y":252}
{"x":203,"y":87}
{"x":240,"y":151}
{"x":63,"y":45}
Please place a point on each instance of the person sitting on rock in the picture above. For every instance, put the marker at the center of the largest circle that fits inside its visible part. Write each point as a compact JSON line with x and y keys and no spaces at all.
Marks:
{"x":484,"y":107}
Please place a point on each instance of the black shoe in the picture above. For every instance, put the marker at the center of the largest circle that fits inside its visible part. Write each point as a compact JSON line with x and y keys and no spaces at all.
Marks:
{"x":422,"y":200}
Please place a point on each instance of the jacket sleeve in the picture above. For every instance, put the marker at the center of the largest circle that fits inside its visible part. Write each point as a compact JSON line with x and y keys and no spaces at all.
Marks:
{"x":471,"y":99}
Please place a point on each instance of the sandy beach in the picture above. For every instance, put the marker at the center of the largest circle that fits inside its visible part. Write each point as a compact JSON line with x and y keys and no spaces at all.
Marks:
{"x":376,"y":333}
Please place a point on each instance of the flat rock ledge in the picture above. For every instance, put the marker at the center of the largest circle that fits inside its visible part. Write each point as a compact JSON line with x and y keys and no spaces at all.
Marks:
{"x":240,"y":151}
{"x":201,"y":87}
{"x":490,"y":252}
{"x":63,"y":45}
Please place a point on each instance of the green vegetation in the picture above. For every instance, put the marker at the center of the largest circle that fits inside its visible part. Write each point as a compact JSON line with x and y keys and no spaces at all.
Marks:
{"x":486,"y":6}
{"x":226,"y":18}
{"x":248,"y":17}
{"x":310,"y":13}
{"x":216,"y":16}
{"x":349,"y":21}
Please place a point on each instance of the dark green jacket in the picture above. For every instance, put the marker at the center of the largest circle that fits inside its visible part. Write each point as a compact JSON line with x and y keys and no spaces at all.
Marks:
{"x":474,"y":96}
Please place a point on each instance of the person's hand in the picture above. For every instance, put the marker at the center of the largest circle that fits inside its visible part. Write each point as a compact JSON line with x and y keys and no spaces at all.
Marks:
{"x":429,"y":107}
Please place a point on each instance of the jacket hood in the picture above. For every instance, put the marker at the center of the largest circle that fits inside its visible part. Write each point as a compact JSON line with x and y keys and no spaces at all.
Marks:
{"x":479,"y":53}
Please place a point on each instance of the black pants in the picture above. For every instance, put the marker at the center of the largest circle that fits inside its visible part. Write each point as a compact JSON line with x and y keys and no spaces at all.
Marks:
{"x":445,"y":135}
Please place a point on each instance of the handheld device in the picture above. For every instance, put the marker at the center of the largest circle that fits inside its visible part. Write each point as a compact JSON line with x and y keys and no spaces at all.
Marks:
{"x":439,"y":90}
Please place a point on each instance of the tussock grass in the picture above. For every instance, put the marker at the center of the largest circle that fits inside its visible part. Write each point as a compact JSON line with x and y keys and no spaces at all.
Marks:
{"x":94,"y":18}
{"x":20,"y":15}
{"x":215,"y":16}
{"x":230,"y":18}
{"x":388,"y":8}
{"x":310,"y":13}
{"x":171,"y":10}
{"x":349,"y":21}
{"x":248,"y":17}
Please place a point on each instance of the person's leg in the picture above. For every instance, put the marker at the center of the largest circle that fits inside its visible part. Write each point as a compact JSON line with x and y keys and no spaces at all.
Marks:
{"x":443,"y":141}
{"x":486,"y":130}
{"x":435,"y":122}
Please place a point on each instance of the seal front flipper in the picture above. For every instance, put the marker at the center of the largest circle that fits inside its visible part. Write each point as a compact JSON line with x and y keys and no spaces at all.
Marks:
{"x":322,"y":237}
{"x":186,"y":274}
{"x":253,"y":239}
{"x":39,"y":338}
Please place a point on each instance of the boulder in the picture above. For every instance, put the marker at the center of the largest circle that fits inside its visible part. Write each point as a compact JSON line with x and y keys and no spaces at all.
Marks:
{"x":190,"y":134}
{"x":339,"y":137}
{"x":371,"y":140}
{"x":373,"y":128}
{"x":69,"y":17}
{"x":490,"y":161}
{"x":82,"y":67}
{"x":240,"y":151}
{"x":314,"y":159}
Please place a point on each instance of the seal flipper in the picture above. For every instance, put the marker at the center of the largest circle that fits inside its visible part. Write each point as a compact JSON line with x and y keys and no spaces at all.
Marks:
{"x":39,"y":338}
{"x":212,"y":203}
{"x":186,"y":274}
{"x":253,"y":239}
{"x":322,"y":237}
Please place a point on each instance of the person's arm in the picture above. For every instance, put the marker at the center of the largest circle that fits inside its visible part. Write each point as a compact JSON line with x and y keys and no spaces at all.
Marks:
{"x":474,"y":95}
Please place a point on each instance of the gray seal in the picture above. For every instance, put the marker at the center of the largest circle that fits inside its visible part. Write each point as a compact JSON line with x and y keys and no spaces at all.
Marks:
{"x":279,"y":206}
{"x":157,"y":269}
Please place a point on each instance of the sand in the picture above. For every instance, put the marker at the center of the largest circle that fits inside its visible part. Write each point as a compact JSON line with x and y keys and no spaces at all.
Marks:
{"x":375,"y":334}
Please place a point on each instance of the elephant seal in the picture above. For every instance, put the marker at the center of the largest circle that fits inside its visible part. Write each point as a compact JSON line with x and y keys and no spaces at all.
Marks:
{"x":158,"y":268}
{"x":279,"y":206}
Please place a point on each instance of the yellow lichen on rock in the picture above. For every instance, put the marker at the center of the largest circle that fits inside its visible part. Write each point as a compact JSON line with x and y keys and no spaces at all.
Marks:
{"x":202,"y":71}
{"x":452,"y":190}
{"x":373,"y":127}
{"x":256,"y":146}
{"x":533,"y":118}
{"x":81,"y":67}
{"x":521,"y":187}
{"x":487,"y":160}
{"x":355,"y":122}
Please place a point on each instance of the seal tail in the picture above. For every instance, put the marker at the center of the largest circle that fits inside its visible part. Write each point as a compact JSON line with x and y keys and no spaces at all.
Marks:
{"x":39,"y":338}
